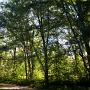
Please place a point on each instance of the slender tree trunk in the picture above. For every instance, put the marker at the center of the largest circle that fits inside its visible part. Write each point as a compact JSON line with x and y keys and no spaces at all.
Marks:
{"x":45,"y":59}
{"x":32,"y":66}
{"x":46,"y":62}
{"x":46,"y":69}
{"x":25,"y":61}
{"x":28,"y":60}
{"x":88,"y":54}
{"x":29,"y":67}
{"x":14,"y":55}
{"x":45,"y":42}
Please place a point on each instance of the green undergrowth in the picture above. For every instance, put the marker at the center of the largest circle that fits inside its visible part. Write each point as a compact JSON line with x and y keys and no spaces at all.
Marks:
{"x":54,"y":85}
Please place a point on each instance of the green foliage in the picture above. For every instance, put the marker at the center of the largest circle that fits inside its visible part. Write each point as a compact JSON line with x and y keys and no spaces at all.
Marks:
{"x":45,"y":40}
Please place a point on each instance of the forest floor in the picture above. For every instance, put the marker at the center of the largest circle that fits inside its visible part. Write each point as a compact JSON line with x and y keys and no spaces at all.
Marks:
{"x":4,"y":86}
{"x":14,"y":87}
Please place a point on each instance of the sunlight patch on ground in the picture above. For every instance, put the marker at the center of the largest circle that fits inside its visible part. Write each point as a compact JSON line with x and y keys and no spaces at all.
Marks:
{"x":13,"y":87}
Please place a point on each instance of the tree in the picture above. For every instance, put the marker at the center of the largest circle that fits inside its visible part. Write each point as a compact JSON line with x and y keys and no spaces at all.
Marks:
{"x":76,"y":13}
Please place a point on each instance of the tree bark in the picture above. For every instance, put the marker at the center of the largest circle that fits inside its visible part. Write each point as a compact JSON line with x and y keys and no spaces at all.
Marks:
{"x":25,"y":61}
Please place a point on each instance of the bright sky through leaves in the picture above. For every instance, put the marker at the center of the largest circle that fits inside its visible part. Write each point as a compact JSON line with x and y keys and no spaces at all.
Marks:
{"x":3,"y":0}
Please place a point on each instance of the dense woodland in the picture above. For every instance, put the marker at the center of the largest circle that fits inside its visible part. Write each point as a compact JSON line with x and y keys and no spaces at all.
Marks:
{"x":45,"y":42}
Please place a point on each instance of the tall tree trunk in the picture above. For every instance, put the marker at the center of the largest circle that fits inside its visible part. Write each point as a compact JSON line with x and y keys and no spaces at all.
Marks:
{"x":45,"y":42}
{"x":32,"y":66}
{"x":46,"y":67}
{"x":14,"y":55}
{"x":25,"y":61}
{"x":28,"y":61}
{"x":45,"y":59}
{"x":29,"y":67}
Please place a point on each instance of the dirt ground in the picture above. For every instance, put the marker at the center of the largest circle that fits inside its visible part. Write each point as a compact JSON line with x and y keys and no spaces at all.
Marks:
{"x":14,"y":87}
